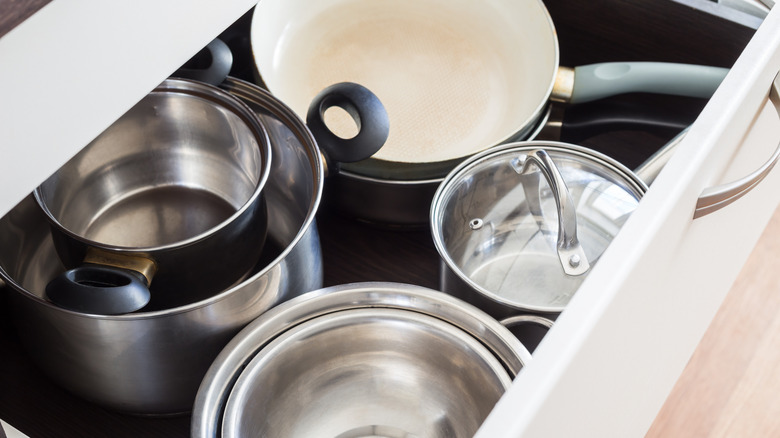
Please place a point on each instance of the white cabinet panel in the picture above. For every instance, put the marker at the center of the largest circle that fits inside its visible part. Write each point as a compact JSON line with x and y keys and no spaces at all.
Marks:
{"x":75,"y":66}
{"x":613,"y":356}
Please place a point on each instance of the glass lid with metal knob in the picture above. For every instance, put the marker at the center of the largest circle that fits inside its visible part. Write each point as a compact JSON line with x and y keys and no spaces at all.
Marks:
{"x":519,"y":226}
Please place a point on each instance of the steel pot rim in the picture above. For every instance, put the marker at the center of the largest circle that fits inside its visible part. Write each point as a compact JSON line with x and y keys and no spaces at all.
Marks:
{"x":224,"y":371}
{"x":243,"y":91}
{"x":220,"y":98}
{"x":267,"y":358}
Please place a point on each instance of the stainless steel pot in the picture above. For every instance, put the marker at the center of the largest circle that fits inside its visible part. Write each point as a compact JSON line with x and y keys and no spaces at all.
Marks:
{"x":519,"y":226}
{"x":153,"y":362}
{"x":365,"y":359}
{"x":172,"y":191}
{"x":398,"y":371}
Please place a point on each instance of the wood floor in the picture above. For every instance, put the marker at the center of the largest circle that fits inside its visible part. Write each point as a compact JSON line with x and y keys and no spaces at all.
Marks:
{"x":731,"y":386}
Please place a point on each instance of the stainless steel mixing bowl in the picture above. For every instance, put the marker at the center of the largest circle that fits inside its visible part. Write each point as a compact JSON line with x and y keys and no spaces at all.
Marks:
{"x":364,"y":359}
{"x":355,"y":371}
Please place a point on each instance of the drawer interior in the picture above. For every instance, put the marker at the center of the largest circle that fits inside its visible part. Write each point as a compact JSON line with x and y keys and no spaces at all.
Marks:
{"x":593,"y":31}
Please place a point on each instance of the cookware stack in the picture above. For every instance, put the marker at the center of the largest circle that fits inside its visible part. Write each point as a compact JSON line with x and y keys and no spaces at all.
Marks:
{"x":128,"y":211}
{"x":169,"y":196}
{"x":365,"y":359}
{"x":183,"y":241}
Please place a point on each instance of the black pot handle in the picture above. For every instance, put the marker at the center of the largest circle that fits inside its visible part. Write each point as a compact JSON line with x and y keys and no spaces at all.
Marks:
{"x":98,"y":289}
{"x":366,"y":110}
{"x":586,"y":120}
{"x":211,"y":64}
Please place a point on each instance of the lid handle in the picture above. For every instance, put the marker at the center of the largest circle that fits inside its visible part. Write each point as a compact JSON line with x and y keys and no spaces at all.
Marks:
{"x":713,"y":199}
{"x":570,"y":252}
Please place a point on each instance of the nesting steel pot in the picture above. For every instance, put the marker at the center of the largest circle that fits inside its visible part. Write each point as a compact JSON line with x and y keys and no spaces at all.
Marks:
{"x":172,"y":190}
{"x":362,"y":359}
{"x":151,"y":362}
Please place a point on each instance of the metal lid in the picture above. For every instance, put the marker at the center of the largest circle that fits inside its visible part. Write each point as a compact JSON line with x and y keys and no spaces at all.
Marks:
{"x":523,"y":223}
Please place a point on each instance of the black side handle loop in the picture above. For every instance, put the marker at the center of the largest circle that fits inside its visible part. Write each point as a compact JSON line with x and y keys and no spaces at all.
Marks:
{"x":210,"y":65}
{"x":370,"y":117}
{"x":100,"y":290}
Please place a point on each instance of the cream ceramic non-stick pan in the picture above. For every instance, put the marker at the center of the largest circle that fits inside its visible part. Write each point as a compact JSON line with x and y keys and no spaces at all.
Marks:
{"x":456,"y":76}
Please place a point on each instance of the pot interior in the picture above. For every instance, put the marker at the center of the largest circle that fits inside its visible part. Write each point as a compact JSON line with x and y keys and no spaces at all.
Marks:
{"x":367,"y":372}
{"x":176,"y":165}
{"x":455,"y":76}
{"x":28,"y":257}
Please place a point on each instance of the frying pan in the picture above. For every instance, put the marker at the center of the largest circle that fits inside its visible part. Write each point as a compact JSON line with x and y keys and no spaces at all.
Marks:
{"x":456,"y":77}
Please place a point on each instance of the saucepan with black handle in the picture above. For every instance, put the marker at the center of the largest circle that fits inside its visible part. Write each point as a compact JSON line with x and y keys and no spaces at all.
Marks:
{"x":173,"y":191}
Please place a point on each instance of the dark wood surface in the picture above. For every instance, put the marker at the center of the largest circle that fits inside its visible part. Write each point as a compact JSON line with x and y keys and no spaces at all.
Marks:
{"x":643,"y":30}
{"x":14,"y":12}
{"x":593,"y":31}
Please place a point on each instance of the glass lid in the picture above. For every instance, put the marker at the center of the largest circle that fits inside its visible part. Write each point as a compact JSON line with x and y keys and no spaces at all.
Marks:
{"x":523,"y":223}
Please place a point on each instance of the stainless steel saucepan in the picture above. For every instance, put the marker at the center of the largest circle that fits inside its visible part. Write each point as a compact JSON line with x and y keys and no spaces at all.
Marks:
{"x":170,"y":192}
{"x":151,"y":362}
{"x":519,"y":226}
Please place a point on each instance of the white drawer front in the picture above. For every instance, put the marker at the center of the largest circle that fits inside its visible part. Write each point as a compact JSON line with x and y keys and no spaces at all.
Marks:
{"x":615,"y":353}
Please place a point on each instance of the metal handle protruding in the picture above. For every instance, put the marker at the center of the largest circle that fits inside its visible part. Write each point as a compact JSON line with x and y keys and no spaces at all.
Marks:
{"x":714,"y":198}
{"x":570,"y":252}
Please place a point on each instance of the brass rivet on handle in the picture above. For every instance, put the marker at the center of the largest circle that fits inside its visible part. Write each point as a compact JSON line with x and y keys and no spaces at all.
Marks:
{"x":563,"y":88}
{"x":143,"y":265}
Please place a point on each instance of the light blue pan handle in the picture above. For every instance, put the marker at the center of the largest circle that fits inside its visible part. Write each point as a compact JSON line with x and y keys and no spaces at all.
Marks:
{"x":597,"y":81}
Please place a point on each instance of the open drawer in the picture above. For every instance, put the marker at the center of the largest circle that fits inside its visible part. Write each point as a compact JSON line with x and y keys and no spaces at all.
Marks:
{"x":614,"y":354}
{"x":612,"y":357}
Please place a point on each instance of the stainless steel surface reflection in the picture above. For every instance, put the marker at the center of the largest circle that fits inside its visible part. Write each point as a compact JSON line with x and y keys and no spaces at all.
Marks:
{"x":177,"y":179}
{"x":397,"y":352}
{"x":151,"y":363}
{"x":367,"y":369}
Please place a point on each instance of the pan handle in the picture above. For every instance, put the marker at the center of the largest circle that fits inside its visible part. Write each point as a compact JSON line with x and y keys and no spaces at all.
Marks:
{"x":597,"y":81}
{"x":666,"y":118}
{"x":104,"y":284}
{"x":366,"y":110}
{"x":98,"y":289}
{"x":714,"y":198}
